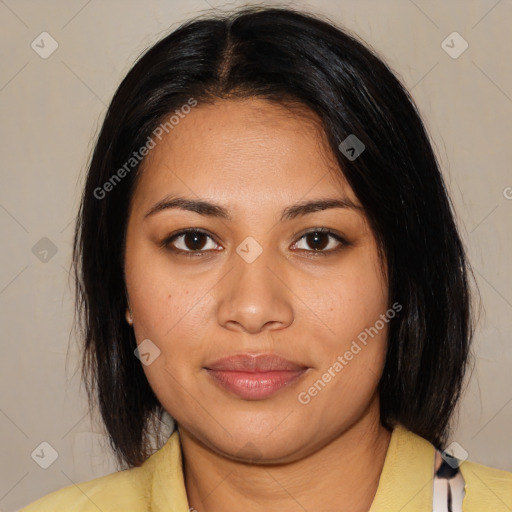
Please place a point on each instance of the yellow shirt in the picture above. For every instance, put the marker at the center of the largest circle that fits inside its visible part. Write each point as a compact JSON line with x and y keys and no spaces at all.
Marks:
{"x":405,"y":484}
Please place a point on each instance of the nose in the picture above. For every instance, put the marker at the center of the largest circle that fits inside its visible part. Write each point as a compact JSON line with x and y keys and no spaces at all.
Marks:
{"x":254,"y":296}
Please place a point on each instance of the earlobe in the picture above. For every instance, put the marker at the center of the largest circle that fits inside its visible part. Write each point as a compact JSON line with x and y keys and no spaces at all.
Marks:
{"x":129,"y":317}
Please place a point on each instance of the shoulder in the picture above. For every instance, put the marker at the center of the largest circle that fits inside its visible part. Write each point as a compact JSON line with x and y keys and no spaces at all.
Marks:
{"x":125,"y":490}
{"x":411,"y":462}
{"x":486,"y":488}
{"x":156,"y":485}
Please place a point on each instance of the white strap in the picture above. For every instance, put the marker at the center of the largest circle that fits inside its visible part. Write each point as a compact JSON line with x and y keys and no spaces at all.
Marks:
{"x":448,"y":484}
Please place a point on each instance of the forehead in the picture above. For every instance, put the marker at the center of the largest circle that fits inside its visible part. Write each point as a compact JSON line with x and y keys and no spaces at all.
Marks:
{"x":245,"y":148}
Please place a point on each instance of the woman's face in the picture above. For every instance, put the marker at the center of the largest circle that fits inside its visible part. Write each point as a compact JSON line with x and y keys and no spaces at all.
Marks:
{"x":253,"y":282}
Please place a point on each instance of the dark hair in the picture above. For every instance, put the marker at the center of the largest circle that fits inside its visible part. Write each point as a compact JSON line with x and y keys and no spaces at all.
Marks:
{"x":283,"y":55}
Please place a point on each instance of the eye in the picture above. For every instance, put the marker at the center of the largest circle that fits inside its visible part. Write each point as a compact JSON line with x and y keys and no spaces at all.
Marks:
{"x":322,"y":241}
{"x":190,"y":242}
{"x":193,"y":242}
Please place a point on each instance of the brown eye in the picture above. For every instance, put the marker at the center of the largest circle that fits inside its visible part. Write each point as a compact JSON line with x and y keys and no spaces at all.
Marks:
{"x":318,"y":241}
{"x":321,"y":241}
{"x":189,"y":241}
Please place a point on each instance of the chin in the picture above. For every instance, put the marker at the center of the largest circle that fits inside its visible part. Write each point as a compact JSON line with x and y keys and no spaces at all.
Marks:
{"x":257,"y":447}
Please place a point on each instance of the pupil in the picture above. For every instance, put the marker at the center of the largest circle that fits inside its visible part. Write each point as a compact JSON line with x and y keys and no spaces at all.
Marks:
{"x":313,"y":240}
{"x":194,"y":245}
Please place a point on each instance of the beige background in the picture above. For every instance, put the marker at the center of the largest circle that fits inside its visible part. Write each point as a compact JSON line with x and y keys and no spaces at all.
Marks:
{"x":50,"y":111}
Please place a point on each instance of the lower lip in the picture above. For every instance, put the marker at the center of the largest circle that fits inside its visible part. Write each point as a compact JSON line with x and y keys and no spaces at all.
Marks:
{"x":254,"y":385}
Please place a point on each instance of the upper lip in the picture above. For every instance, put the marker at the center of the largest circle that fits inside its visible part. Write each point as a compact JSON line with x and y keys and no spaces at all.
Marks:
{"x":254,"y":363}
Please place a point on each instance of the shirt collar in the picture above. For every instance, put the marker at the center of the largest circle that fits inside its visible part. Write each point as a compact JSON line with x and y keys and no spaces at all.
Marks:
{"x":406,"y":479}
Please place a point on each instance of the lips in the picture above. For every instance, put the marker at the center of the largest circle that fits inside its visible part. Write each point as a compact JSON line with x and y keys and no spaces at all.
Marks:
{"x":254,"y":363}
{"x":254,"y":377}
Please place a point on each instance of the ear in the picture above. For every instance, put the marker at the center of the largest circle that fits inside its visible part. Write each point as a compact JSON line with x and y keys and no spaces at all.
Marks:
{"x":129,"y":317}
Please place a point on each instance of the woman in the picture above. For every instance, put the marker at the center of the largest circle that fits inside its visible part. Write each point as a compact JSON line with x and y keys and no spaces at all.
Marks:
{"x":266,"y":252}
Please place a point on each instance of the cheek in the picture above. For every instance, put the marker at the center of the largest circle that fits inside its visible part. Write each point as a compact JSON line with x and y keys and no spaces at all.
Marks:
{"x":350,"y":356}
{"x":173,"y":312}
{"x":164,"y":303}
{"x":347,"y":303}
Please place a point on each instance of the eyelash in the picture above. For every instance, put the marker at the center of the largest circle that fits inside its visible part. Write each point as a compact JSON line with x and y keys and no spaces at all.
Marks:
{"x":167,"y":241}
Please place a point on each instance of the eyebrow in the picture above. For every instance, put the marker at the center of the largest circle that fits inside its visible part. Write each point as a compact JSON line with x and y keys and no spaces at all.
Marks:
{"x":210,"y":209}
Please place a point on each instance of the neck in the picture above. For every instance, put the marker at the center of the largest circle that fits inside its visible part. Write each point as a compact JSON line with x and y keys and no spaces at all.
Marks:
{"x":343,"y":475}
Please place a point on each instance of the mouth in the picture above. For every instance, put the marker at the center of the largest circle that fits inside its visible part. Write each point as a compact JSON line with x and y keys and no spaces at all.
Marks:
{"x":254,"y":377}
